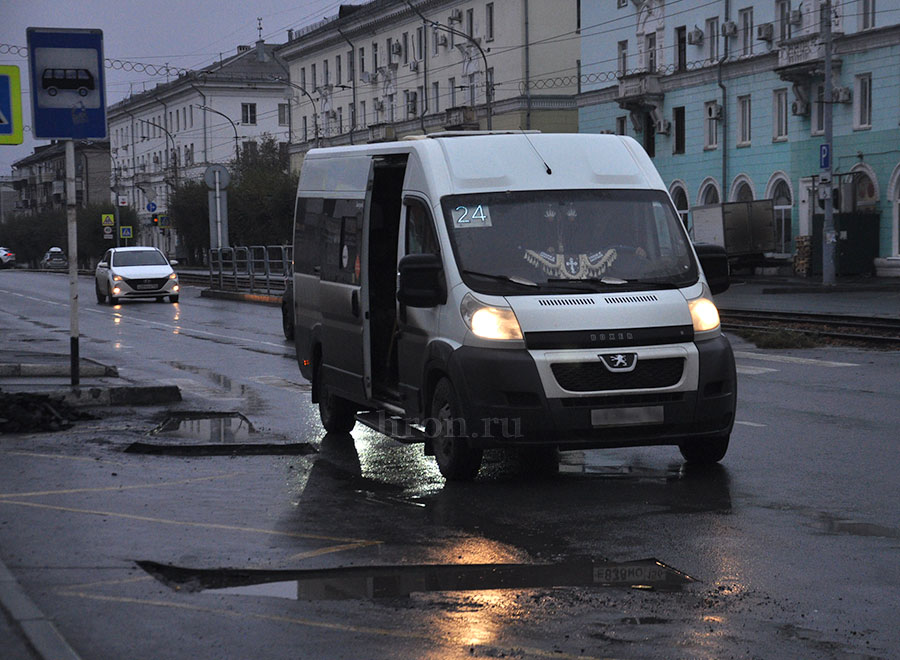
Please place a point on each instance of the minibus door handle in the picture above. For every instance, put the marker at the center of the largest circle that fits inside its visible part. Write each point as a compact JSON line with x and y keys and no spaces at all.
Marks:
{"x":354,"y":303}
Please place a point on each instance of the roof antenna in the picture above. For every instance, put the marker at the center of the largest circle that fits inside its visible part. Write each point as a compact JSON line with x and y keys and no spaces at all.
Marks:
{"x":546,"y":167}
{"x":258,"y":28}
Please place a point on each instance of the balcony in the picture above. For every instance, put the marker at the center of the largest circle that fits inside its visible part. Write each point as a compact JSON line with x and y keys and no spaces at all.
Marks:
{"x":639,"y":91}
{"x":803,"y":58}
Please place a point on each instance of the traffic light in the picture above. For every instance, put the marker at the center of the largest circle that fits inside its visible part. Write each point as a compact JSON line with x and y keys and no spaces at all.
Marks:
{"x":155,"y":220}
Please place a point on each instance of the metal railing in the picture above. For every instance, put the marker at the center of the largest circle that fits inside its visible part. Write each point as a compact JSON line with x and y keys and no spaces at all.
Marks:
{"x":254,"y":269}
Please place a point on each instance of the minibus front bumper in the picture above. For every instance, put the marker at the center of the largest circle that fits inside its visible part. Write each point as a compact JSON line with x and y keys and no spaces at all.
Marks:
{"x":505,"y":403}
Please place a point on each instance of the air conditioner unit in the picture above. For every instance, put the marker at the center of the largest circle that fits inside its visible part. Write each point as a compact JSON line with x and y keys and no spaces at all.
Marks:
{"x":414,"y":65}
{"x":456,"y":16}
{"x":800,"y":108}
{"x":381,"y":133}
{"x":729,"y":29}
{"x":796,"y":17}
{"x":842,"y":95}
{"x":695,"y":37}
{"x":442,"y":40}
{"x":378,"y":104}
{"x":663,"y":126}
{"x":331,"y":114}
{"x":713,"y":111}
{"x":396,"y":48}
{"x":765,"y":32}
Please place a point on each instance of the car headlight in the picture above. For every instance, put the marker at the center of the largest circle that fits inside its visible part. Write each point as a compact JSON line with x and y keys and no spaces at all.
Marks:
{"x":173,"y":276}
{"x":488,"y":321}
{"x":704,"y":316}
{"x":117,"y":278}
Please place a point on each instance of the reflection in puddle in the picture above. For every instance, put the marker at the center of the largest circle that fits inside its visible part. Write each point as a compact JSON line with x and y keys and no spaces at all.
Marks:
{"x":367,"y":582}
{"x":217,"y":428}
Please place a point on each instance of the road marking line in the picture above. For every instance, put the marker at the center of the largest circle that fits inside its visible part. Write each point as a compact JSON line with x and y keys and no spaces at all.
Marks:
{"x":792,"y":360}
{"x":753,"y":371}
{"x":326,"y":551}
{"x":756,"y":424}
{"x":337,"y":627}
{"x":87,"y":459}
{"x":105,"y":489}
{"x":183,"y":523}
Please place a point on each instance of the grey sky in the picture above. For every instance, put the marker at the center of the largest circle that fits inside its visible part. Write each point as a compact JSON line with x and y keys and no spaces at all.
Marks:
{"x":182,"y":33}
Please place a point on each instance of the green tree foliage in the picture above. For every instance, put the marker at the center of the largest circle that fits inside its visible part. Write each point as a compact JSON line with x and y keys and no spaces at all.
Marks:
{"x":261,"y":198}
{"x":30,"y":236}
{"x":189,"y":215}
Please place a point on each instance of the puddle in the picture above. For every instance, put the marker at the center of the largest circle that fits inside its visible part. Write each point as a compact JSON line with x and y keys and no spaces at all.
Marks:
{"x":368,"y":582}
{"x":211,"y":433}
{"x":856,"y":528}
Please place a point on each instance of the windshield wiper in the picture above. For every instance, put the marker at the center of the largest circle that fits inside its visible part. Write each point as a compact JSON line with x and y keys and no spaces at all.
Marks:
{"x":521,"y":281}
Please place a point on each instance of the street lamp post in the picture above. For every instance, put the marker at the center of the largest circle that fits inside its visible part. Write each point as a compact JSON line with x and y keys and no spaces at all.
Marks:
{"x":237,"y":154}
{"x":311,"y":100}
{"x":170,"y":154}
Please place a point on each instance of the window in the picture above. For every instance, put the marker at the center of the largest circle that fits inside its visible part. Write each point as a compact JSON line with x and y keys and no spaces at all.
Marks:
{"x":436,"y":97}
{"x":622,"y":58}
{"x":435,"y":35}
{"x":866,"y":14}
{"x":650,"y":52}
{"x":374,"y":56}
{"x":470,"y":22}
{"x":781,"y":199}
{"x":248,"y":113}
{"x":679,"y":196}
{"x":472,"y":89}
{"x":362,"y":113}
{"x":452,"y":84}
{"x":405,"y":48}
{"x":818,"y":115}
{"x":711,"y":134}
{"x":420,"y":44}
{"x":710,"y":195}
{"x":744,"y":193}
{"x":390,"y":100}
{"x":420,"y":234}
{"x":745,"y":20}
{"x":863,"y":101}
{"x":712,"y":39}
{"x":340,"y":120}
{"x":621,"y":125}
{"x":312,"y":75}
{"x":338,"y":73}
{"x":744,"y":121}
{"x":489,"y":21}
{"x":303,"y":77}
{"x":326,"y":79}
{"x":389,"y":51}
{"x":678,"y":128}
{"x":780,"y":115}
{"x":284,"y":114}
{"x":783,"y":14}
{"x":248,"y":150}
{"x":681,"y":48}
{"x":362,"y":59}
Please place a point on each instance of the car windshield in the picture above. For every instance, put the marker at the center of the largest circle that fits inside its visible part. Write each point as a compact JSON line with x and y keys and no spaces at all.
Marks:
{"x":568,"y":239}
{"x":138,"y":258}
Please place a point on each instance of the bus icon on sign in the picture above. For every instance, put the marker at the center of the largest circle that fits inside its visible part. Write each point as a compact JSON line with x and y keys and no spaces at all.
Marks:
{"x":77,"y":80}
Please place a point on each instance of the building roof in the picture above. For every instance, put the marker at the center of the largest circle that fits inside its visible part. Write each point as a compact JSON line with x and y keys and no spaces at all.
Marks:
{"x":56,"y":149}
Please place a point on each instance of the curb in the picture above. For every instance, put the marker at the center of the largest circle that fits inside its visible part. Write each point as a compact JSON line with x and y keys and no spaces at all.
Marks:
{"x":25,"y":369}
{"x":40,"y":632}
{"x":125,"y":395}
{"x":247,"y":297}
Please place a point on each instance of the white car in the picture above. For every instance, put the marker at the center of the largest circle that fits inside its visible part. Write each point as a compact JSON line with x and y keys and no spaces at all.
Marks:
{"x":135,"y":272}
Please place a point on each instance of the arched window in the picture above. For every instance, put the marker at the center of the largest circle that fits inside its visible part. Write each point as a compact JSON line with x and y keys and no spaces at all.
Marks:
{"x":710,"y":195}
{"x":782,"y":203}
{"x":744,"y":193}
{"x":679,"y":196}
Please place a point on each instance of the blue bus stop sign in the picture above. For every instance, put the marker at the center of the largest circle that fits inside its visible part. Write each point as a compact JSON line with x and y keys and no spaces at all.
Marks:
{"x":68,"y":85}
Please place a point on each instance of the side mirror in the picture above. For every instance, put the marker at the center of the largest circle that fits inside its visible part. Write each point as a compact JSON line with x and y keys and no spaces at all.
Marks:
{"x":173,"y":262}
{"x":714,"y":262}
{"x":421,"y":281}
{"x":103,"y":264}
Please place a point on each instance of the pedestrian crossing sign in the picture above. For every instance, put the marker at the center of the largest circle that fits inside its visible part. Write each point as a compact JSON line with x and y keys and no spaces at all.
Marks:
{"x":10,"y":105}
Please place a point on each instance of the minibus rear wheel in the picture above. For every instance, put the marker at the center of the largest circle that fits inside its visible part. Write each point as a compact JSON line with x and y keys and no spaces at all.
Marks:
{"x":705,"y":451}
{"x":456,"y":458}
{"x":338,"y":415}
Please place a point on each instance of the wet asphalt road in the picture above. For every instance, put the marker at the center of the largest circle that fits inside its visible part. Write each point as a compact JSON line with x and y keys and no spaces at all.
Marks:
{"x":793,"y":542}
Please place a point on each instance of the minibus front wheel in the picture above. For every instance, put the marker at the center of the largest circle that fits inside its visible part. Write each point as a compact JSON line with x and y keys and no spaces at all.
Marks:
{"x":456,"y":458}
{"x":338,"y":415}
{"x":705,"y":451}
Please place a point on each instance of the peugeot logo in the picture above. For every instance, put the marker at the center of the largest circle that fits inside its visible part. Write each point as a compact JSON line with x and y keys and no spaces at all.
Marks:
{"x":619,"y":362}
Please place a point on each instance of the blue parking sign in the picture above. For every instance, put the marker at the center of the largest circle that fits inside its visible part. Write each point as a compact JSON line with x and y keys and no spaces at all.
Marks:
{"x":824,"y":156}
{"x":67,"y":80}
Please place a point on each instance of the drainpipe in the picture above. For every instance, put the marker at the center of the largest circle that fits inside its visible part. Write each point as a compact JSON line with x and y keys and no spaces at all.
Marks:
{"x":527,"y":71}
{"x":724,"y":109}
{"x":205,"y":144}
{"x":352,"y":64}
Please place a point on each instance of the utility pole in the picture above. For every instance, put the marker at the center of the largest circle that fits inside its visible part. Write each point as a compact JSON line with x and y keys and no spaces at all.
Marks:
{"x":829,"y":237}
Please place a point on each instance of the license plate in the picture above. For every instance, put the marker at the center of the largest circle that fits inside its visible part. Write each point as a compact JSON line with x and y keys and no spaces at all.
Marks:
{"x":627,"y":416}
{"x":146,"y":286}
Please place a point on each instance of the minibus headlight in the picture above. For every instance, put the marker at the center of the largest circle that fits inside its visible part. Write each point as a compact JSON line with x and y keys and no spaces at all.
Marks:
{"x":489,"y":322}
{"x":704,"y":315}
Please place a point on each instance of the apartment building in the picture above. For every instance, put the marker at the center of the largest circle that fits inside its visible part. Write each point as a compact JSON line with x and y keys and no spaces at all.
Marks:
{"x":728,"y":98}
{"x":390,"y":68}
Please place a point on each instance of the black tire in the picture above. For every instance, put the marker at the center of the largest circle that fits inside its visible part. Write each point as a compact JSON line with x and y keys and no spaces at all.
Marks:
{"x":173,"y":299}
{"x":706,"y":451}
{"x":338,"y":415}
{"x":540,"y":461}
{"x":113,"y":301}
{"x":287,"y":321}
{"x":456,"y":458}
{"x":100,"y":297}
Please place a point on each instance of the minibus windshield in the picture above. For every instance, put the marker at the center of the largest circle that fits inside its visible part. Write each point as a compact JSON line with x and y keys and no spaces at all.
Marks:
{"x":597,"y":239}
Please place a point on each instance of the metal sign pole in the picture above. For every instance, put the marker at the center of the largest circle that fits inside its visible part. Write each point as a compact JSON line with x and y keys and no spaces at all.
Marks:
{"x":71,"y":217}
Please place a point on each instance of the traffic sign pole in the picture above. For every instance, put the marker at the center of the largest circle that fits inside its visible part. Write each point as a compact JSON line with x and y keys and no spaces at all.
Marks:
{"x":71,"y":215}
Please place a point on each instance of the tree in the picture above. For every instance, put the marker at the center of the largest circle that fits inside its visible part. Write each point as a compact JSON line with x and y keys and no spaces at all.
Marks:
{"x":189,"y":215}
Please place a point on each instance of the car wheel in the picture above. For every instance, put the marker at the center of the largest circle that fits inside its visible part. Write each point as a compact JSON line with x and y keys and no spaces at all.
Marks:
{"x":113,"y":301}
{"x":100,"y":297}
{"x":456,"y":458}
{"x":172,"y":299}
{"x":337,"y":414}
{"x":287,"y":321}
{"x":52,"y":91}
{"x":82,"y":91}
{"x":705,"y":451}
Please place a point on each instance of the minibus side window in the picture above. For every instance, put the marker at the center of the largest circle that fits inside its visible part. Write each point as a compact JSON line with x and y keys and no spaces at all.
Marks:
{"x":307,"y":235}
{"x":420,"y":236}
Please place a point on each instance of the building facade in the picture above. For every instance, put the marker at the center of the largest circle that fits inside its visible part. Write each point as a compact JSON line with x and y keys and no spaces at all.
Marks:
{"x":40,"y":178}
{"x":390,"y":68}
{"x":173,"y":132}
{"x":728,"y":98}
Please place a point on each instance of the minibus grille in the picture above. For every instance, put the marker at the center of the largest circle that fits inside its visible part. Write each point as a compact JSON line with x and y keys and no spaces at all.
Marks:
{"x":595,"y":377}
